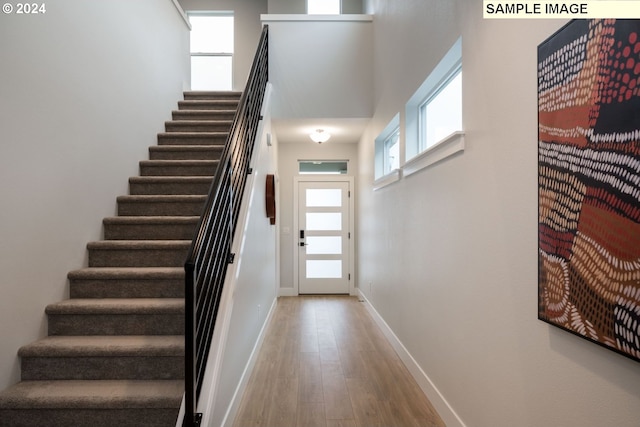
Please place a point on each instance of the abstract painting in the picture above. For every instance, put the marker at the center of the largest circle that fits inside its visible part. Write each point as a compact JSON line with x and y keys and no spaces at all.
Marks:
{"x":589,"y":182}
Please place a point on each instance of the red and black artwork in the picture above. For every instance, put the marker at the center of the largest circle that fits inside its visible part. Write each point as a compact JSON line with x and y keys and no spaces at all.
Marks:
{"x":589,"y":182}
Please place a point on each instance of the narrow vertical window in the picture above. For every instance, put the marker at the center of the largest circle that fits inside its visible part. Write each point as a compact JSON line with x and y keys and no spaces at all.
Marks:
{"x":441,"y":113}
{"x":391,"y":158}
{"x":211,"y":51}
{"x":433,"y":114}
{"x":388,"y":150}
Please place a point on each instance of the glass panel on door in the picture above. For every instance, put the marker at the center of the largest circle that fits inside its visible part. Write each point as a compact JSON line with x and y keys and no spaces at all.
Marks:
{"x":328,"y":221}
{"x":324,"y":245}
{"x":324,"y":197}
{"x":324,"y":269}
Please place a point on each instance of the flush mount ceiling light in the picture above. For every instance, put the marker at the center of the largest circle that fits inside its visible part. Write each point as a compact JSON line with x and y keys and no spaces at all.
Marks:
{"x":320,"y":136}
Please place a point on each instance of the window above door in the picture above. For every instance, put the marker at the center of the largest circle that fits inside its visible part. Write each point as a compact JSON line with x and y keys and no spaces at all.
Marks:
{"x":323,"y":167}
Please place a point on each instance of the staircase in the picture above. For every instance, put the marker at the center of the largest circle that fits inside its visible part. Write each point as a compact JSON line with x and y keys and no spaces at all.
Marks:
{"x":115,"y":351}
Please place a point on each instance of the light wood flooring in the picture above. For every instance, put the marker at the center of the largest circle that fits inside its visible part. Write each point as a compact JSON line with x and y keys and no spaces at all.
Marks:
{"x":324,"y":362}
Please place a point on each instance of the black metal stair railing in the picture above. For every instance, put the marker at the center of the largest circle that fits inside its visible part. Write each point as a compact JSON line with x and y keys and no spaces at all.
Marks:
{"x":210,"y":253}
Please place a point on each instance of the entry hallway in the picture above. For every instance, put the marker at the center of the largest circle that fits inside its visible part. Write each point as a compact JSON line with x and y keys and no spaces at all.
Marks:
{"x":324,"y":362}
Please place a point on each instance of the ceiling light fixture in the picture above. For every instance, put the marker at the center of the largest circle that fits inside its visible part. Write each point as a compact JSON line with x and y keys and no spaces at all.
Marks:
{"x":320,"y":136}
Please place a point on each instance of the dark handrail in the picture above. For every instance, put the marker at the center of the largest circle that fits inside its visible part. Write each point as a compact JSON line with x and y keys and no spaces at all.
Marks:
{"x":210,"y":252}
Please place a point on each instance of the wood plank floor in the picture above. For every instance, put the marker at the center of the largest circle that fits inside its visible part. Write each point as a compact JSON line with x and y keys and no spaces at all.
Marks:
{"x":324,"y":362}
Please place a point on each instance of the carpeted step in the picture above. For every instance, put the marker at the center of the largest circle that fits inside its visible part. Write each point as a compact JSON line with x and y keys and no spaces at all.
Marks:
{"x":127,"y":282}
{"x":161,"y":205}
{"x":198,"y":125}
{"x":138,"y":253}
{"x":169,"y":185}
{"x":150,"y":227}
{"x":122,"y":403}
{"x":203,"y":114}
{"x":103,"y":358}
{"x":185,"y":152}
{"x":115,"y":351}
{"x":208,"y":104}
{"x":136,"y":316}
{"x":212,"y":95}
{"x":178,"y":167}
{"x":192,"y":138}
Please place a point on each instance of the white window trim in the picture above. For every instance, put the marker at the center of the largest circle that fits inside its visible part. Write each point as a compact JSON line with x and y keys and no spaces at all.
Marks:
{"x":388,"y":179}
{"x":386,"y":145}
{"x":446,"y":147}
{"x":450,"y":63}
{"x":392,"y":127}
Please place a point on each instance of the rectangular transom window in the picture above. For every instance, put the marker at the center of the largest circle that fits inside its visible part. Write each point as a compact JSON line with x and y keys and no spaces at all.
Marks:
{"x":322,"y":167}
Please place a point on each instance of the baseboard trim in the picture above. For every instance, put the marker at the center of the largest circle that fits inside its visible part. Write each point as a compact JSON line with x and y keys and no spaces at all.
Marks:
{"x":234,"y":405}
{"x":446,"y":412}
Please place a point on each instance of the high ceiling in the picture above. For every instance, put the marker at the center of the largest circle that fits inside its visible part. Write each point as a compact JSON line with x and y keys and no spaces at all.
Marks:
{"x":343,"y":131}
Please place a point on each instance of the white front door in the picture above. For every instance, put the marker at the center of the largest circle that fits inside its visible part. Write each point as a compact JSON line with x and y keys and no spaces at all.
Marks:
{"x":323,"y":237}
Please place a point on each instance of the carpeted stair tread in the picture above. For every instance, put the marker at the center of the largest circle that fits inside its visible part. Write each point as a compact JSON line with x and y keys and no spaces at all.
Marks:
{"x":195,"y":179}
{"x":119,"y":273}
{"x":99,"y":357}
{"x":182,"y":162}
{"x":178,"y":167}
{"x":170,"y":185}
{"x":96,"y":345}
{"x":185,"y":152}
{"x":185,"y":162}
{"x":127,"y":282}
{"x":212,"y":94}
{"x":138,"y":244}
{"x":192,"y":138}
{"x":203,"y":114}
{"x":184,"y":198}
{"x":153,"y":205}
{"x":198,"y":125}
{"x":117,"y":306}
{"x":152,"y":220}
{"x":150,"y":227}
{"x":93,"y":394}
{"x":207,"y":104}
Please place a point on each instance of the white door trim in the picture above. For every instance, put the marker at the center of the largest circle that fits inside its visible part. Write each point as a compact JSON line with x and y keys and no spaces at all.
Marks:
{"x":294,"y":236}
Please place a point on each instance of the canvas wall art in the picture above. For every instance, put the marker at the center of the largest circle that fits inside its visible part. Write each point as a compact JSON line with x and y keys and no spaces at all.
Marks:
{"x":589,"y":182}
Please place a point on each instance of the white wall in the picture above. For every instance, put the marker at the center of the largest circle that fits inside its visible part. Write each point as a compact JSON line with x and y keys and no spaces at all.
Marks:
{"x":448,"y":256}
{"x":247,"y":29}
{"x":320,"y":69}
{"x":255,"y":290}
{"x":289,"y":154}
{"x":84,"y":90}
{"x":287,"y":6}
